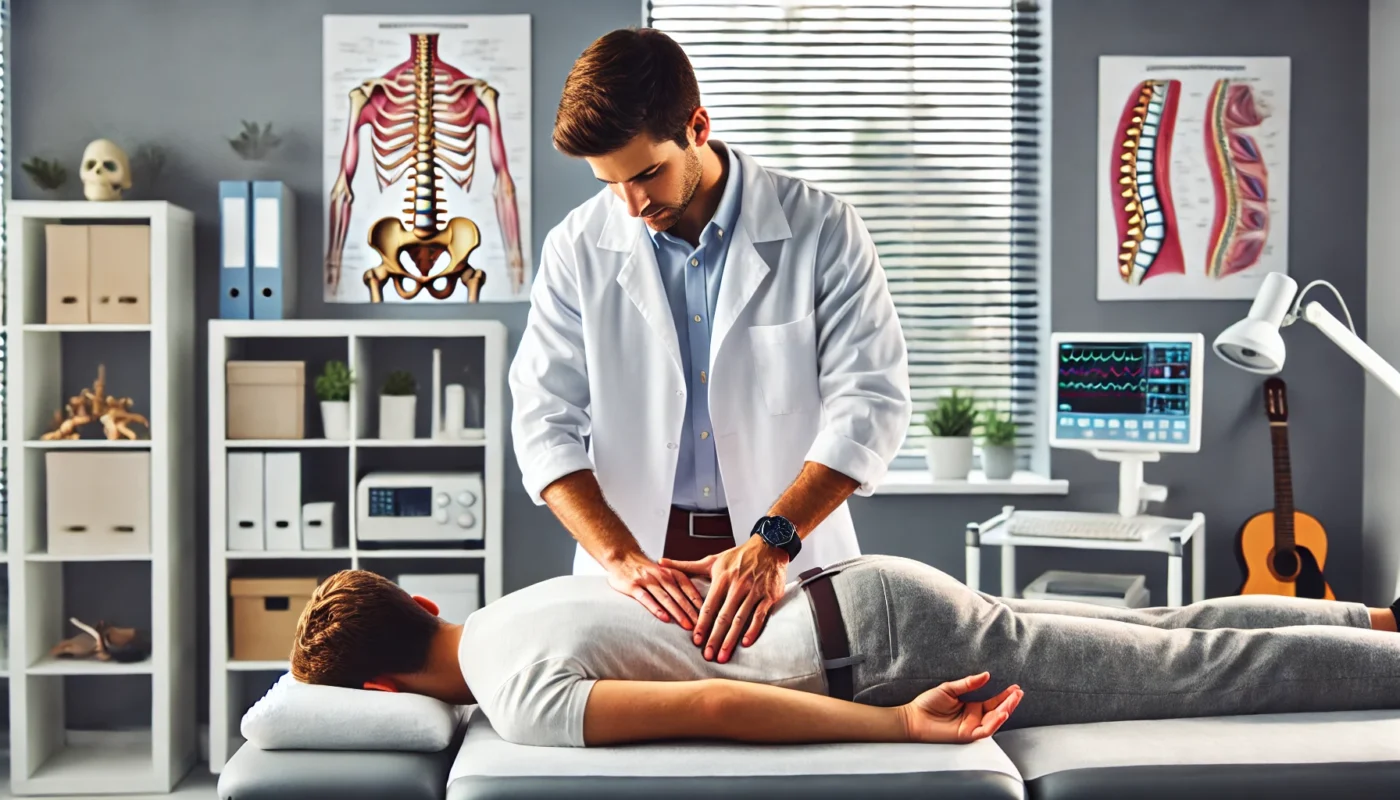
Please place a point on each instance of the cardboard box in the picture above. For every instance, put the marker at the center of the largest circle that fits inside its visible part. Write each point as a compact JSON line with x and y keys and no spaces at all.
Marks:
{"x":119,"y":274}
{"x":98,"y":503}
{"x":266,"y":399}
{"x":265,"y":614}
{"x":98,"y":274}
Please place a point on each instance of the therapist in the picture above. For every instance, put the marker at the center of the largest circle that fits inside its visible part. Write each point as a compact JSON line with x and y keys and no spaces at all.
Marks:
{"x":712,"y":362}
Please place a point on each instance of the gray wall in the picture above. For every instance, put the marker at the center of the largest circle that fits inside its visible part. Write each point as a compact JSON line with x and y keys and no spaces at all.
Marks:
{"x":1230,"y":479}
{"x":166,"y":83}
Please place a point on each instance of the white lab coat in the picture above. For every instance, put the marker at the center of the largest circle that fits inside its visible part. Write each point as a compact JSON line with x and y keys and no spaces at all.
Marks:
{"x":807,"y":362}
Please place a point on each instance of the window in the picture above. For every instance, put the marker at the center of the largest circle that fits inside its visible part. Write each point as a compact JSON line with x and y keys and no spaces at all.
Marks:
{"x":927,"y":117}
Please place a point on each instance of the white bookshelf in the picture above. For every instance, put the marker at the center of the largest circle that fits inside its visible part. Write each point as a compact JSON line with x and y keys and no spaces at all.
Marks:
{"x":46,"y":757}
{"x":235,"y":685}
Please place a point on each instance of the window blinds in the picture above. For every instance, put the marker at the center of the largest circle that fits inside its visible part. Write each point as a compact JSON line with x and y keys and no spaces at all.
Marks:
{"x":926,"y":116}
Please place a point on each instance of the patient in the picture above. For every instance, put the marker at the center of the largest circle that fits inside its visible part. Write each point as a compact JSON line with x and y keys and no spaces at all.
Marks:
{"x":571,"y":662}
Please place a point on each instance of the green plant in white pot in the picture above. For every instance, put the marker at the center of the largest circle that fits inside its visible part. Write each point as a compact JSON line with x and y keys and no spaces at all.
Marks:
{"x":398,"y":403}
{"x":998,"y":445}
{"x":333,"y":390}
{"x":949,"y":446}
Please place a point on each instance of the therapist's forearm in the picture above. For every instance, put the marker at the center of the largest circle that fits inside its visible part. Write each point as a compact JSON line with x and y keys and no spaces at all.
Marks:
{"x":577,"y":500}
{"x":818,"y":491}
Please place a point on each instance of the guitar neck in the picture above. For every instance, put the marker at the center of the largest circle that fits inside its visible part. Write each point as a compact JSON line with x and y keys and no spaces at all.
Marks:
{"x":1283,"y":488}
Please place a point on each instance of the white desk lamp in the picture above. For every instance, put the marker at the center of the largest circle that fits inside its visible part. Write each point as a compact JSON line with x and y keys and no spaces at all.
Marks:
{"x":1254,"y":343}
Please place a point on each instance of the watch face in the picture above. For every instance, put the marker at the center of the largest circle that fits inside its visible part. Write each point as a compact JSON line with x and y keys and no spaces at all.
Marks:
{"x":777,"y":531}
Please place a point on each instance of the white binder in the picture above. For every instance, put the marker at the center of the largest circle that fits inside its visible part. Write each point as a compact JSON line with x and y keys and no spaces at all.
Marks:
{"x":318,"y":526}
{"x":245,"y":501}
{"x":282,"y":501}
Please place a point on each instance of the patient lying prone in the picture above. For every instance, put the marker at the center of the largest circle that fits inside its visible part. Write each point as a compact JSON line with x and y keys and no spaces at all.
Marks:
{"x":571,"y":662}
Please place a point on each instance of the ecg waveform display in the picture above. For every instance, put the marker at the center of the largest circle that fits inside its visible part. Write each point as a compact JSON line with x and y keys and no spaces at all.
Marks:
{"x":1128,"y":378}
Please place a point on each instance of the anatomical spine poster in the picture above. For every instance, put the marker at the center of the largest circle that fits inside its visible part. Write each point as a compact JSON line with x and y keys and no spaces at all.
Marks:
{"x":1192,"y":176}
{"x":426,"y":163}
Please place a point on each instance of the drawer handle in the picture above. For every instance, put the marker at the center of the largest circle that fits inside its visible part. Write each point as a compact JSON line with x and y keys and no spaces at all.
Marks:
{"x":69,"y":300}
{"x":124,"y":528}
{"x":245,"y":523}
{"x":75,"y":529}
{"x":277,"y":603}
{"x":128,"y":300}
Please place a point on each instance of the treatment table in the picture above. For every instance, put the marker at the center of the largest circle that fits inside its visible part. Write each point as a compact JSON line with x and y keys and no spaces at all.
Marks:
{"x":1334,"y":755}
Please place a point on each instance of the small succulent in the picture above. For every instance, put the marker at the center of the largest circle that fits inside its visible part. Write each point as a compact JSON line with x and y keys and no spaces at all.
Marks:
{"x":47,"y":175}
{"x":333,"y":384}
{"x":400,"y":382}
{"x":254,"y":143}
{"x":997,"y":429}
{"x":952,"y":415}
{"x":149,"y":162}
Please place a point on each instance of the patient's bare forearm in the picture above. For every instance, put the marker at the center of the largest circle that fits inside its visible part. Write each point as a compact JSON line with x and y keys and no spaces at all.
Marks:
{"x":577,"y":500}
{"x":619,"y":712}
{"x":817,"y":491}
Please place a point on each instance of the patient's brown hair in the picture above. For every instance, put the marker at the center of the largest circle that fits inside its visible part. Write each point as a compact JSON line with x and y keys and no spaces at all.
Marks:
{"x":359,"y":626}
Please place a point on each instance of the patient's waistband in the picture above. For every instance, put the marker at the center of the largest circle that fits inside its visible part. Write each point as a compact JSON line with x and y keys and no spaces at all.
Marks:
{"x":831,"y":634}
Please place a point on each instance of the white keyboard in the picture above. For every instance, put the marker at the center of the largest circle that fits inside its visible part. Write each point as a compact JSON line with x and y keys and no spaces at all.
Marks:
{"x":1079,"y":525}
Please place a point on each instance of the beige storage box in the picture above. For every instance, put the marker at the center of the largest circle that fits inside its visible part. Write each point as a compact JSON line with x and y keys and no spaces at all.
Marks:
{"x":98,"y":274}
{"x":99,"y":503}
{"x":119,"y":274}
{"x":266,"y":399}
{"x":66,"y":290}
{"x":265,"y":614}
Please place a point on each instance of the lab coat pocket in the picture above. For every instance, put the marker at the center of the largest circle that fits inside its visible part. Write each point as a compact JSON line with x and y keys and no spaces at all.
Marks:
{"x":785,"y":365}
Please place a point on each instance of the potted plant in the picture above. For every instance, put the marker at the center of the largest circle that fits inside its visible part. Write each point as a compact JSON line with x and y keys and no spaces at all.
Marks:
{"x":398,"y":402}
{"x":949,"y":448}
{"x":333,"y":390}
{"x":998,"y":445}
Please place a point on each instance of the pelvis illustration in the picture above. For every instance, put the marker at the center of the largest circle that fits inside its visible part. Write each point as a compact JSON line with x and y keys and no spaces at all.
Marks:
{"x":1149,"y":242}
{"x":423,"y":117}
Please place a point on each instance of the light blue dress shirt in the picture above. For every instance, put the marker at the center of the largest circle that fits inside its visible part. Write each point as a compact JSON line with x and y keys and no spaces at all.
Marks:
{"x":691,"y":276}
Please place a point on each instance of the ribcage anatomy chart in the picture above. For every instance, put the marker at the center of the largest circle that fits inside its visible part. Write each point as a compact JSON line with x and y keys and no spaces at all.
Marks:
{"x":1192,"y":176}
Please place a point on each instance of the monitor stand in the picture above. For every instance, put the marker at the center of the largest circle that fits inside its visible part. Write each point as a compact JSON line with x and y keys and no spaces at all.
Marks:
{"x":1133,"y":494}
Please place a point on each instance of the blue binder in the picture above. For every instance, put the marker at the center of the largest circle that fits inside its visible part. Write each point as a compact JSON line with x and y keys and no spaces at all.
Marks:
{"x":274,"y":251}
{"x":235,"y":249}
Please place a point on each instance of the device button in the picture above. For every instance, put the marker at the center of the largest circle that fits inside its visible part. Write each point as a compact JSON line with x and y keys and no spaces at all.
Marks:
{"x":465,"y":519}
{"x":443,"y":499}
{"x":465,"y":498}
{"x":440,"y":516}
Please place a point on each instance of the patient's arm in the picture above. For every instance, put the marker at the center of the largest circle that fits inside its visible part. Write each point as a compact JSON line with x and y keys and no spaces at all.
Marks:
{"x":634,"y":711}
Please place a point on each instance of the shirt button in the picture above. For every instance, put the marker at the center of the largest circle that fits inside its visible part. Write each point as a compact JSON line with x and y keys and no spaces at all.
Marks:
{"x":697,"y":317}
{"x":707,"y":491}
{"x":670,"y":445}
{"x":680,"y":393}
{"x":720,"y":233}
{"x":704,"y":434}
{"x":694,"y":262}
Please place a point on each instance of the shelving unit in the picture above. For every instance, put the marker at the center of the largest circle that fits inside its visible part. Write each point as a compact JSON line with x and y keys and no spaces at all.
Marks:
{"x":235,"y":685}
{"x":50,"y":754}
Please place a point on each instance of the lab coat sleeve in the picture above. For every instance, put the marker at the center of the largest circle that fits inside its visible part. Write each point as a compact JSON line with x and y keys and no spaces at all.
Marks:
{"x":549,"y":379}
{"x":863,"y":360}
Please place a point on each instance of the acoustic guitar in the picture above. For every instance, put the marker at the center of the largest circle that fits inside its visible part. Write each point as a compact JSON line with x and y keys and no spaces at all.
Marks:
{"x":1282,"y":551}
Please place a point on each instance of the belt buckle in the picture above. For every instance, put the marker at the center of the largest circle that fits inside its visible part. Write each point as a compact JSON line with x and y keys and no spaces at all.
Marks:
{"x":690,"y":524}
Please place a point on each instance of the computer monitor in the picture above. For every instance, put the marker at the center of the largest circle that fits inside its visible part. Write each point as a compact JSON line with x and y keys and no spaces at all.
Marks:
{"x":1126,"y":391}
{"x":1127,"y":397}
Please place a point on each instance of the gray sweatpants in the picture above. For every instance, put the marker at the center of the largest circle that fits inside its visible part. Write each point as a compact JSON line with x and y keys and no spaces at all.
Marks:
{"x":915,"y":626}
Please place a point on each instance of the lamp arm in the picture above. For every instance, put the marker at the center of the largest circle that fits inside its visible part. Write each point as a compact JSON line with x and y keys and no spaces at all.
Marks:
{"x":1333,"y":329}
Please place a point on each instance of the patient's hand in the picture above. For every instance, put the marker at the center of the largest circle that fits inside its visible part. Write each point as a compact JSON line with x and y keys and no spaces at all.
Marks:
{"x":667,"y":593}
{"x":937,"y":716}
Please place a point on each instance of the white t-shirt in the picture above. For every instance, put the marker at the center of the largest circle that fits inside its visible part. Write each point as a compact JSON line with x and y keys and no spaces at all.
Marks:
{"x":531,"y":658}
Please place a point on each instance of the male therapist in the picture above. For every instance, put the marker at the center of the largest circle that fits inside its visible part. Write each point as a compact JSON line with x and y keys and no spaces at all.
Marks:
{"x":724,"y":337}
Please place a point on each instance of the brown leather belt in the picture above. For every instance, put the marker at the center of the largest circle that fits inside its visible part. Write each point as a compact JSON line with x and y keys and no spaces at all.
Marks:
{"x":693,"y":535}
{"x":831,"y":634}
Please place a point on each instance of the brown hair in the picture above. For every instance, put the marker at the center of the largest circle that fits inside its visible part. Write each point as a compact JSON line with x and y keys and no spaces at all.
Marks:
{"x":359,"y":626}
{"x":629,"y":81}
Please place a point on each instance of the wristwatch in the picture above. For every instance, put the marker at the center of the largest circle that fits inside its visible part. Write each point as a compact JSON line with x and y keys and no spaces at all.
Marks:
{"x":780,"y":533}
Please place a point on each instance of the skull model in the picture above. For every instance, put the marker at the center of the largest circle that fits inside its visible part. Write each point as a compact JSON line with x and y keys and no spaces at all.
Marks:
{"x":105,"y":172}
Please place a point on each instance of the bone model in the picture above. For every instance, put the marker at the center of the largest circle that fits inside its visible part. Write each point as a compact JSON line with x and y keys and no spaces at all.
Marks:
{"x":1241,"y":181}
{"x":1143,"y":212}
{"x":421,"y":115}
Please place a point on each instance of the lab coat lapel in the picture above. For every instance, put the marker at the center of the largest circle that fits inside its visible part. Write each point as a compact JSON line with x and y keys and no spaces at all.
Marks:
{"x":640,"y":278}
{"x":744,"y":270}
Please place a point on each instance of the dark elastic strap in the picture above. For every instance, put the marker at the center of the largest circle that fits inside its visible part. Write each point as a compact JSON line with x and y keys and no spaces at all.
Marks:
{"x":831,"y":634}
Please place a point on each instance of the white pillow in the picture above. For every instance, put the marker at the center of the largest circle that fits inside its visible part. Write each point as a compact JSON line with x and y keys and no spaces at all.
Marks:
{"x":299,"y":716}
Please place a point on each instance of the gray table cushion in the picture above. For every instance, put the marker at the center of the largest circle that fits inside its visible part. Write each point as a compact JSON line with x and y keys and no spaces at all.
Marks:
{"x":488,"y":767}
{"x":1338,"y":755}
{"x":255,"y":774}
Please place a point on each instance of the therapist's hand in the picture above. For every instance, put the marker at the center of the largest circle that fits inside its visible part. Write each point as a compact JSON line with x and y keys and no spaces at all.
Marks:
{"x":665,"y":592}
{"x":745,"y":582}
